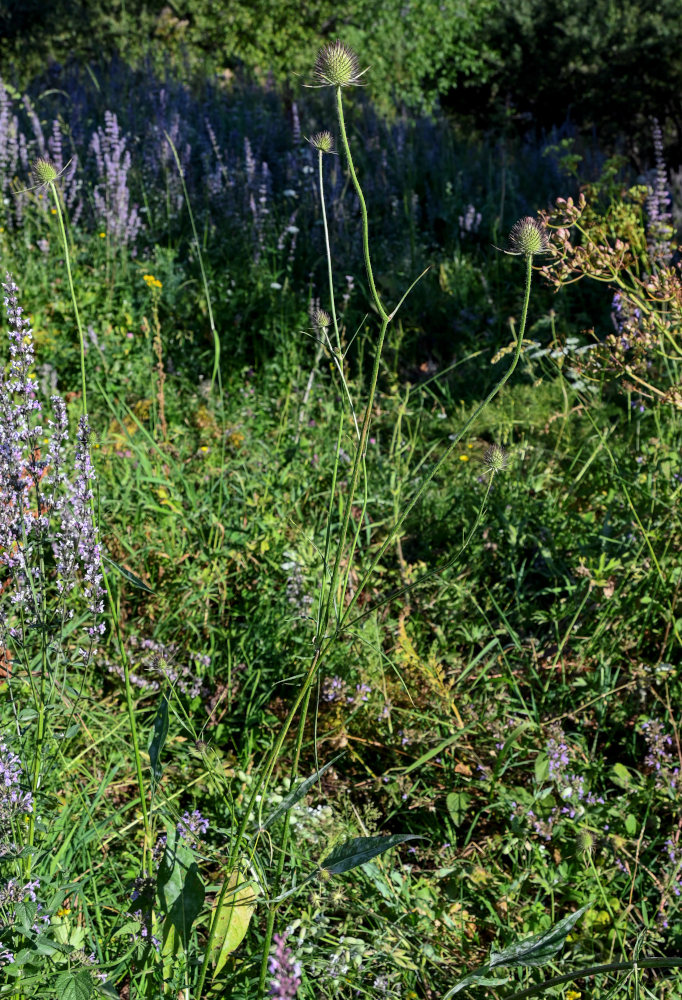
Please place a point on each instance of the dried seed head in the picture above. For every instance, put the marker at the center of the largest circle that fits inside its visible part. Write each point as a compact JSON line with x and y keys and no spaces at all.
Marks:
{"x":528,"y":237}
{"x":496,"y":458}
{"x":337,"y":66}
{"x":44,"y":171}
{"x":324,"y":141}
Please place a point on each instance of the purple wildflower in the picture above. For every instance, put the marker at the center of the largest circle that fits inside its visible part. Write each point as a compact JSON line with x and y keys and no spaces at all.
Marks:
{"x":334,"y":688}
{"x":40,"y":506}
{"x":13,"y":800}
{"x":660,"y":231}
{"x":285,"y":971}
{"x":111,"y":195}
{"x":192,"y":826}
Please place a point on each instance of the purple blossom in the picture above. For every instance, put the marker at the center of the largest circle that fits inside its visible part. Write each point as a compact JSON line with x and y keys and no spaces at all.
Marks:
{"x":192,"y":826}
{"x":13,"y":801}
{"x":284,"y":970}
{"x":660,"y":231}
{"x":111,"y":195}
{"x":334,"y":688}
{"x":40,"y":506}
{"x":659,"y":760}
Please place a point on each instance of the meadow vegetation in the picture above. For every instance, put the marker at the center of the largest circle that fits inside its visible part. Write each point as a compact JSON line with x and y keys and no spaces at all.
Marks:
{"x":340,"y":485}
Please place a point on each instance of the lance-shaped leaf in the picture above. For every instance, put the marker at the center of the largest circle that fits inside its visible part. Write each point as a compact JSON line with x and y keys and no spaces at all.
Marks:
{"x":296,"y":794}
{"x":479,"y":977}
{"x":360,"y":850}
{"x":159,"y":739}
{"x":127,"y":574}
{"x":540,"y":948}
{"x":233,"y":918}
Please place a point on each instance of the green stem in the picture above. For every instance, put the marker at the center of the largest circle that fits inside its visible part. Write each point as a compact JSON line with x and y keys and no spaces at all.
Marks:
{"x":67,"y":259}
{"x":359,"y":454}
{"x":259,"y":783}
{"x":146,"y":850}
{"x":363,"y":207}
{"x":283,"y":847}
{"x":126,"y":665}
{"x":330,"y":275}
{"x":597,"y":970}
{"x":336,"y":354}
{"x":446,"y":455}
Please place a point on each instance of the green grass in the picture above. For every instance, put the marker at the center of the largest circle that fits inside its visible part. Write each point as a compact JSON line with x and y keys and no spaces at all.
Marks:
{"x":518,"y":710}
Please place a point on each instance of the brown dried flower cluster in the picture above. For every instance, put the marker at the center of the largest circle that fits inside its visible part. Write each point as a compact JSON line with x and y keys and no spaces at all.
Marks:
{"x":647,"y":294}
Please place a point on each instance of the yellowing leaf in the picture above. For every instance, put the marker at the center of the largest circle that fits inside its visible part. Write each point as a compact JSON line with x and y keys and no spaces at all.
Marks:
{"x":233,"y":919}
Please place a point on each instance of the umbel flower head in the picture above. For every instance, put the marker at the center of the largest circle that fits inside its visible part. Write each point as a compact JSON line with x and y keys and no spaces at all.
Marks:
{"x":324,"y":141}
{"x":528,"y":237}
{"x":337,"y":66}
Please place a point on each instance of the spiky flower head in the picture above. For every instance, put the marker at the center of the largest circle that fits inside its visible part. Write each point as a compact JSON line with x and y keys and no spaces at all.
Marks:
{"x":337,"y":66}
{"x":324,"y":141}
{"x":496,"y":458}
{"x":321,"y":319}
{"x":45,"y":171}
{"x":528,"y":237}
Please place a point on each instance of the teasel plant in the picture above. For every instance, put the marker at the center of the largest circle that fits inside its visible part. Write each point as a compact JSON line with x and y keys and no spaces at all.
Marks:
{"x":337,"y":67}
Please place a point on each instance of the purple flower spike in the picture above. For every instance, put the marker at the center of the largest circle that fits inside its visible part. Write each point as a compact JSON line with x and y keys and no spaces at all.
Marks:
{"x":285,"y":971}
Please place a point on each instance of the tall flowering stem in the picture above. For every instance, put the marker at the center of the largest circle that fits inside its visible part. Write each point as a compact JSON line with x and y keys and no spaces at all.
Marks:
{"x":363,"y":208}
{"x":47,"y":175}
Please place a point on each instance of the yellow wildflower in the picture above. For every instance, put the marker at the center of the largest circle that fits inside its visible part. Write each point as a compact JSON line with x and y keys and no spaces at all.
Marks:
{"x":464,"y":458}
{"x":102,"y":236}
{"x":573,"y":995}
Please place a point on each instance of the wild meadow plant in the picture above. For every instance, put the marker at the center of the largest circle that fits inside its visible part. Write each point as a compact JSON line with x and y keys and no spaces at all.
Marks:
{"x":166,"y":939}
{"x":44,"y":560}
{"x":337,"y":67}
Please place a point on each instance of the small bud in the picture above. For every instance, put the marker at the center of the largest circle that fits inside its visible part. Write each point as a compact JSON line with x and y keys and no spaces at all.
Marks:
{"x":528,"y":237}
{"x":45,"y":172}
{"x":496,"y":458}
{"x":324,"y":141}
{"x":337,"y":66}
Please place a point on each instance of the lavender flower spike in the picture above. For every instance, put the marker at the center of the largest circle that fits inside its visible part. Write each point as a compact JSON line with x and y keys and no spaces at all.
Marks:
{"x":285,"y":971}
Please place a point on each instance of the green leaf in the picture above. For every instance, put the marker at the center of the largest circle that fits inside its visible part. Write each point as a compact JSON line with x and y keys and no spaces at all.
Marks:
{"x":457,"y":804}
{"x":479,"y":978}
{"x":233,"y":919}
{"x":107,"y":990}
{"x":540,"y":948}
{"x":630,"y":825}
{"x":127,"y":574}
{"x":159,"y":738}
{"x":621,"y":776}
{"x":359,"y":850}
{"x":541,"y":768}
{"x":75,"y":985}
{"x":184,"y":911}
{"x":297,"y":793}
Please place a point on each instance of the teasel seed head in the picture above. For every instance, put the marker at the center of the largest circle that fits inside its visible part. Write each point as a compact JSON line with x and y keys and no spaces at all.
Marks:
{"x":528,"y":237}
{"x":337,"y":66}
{"x":324,"y":141}
{"x":496,"y":458}
{"x":321,"y":319}
{"x":45,"y":171}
